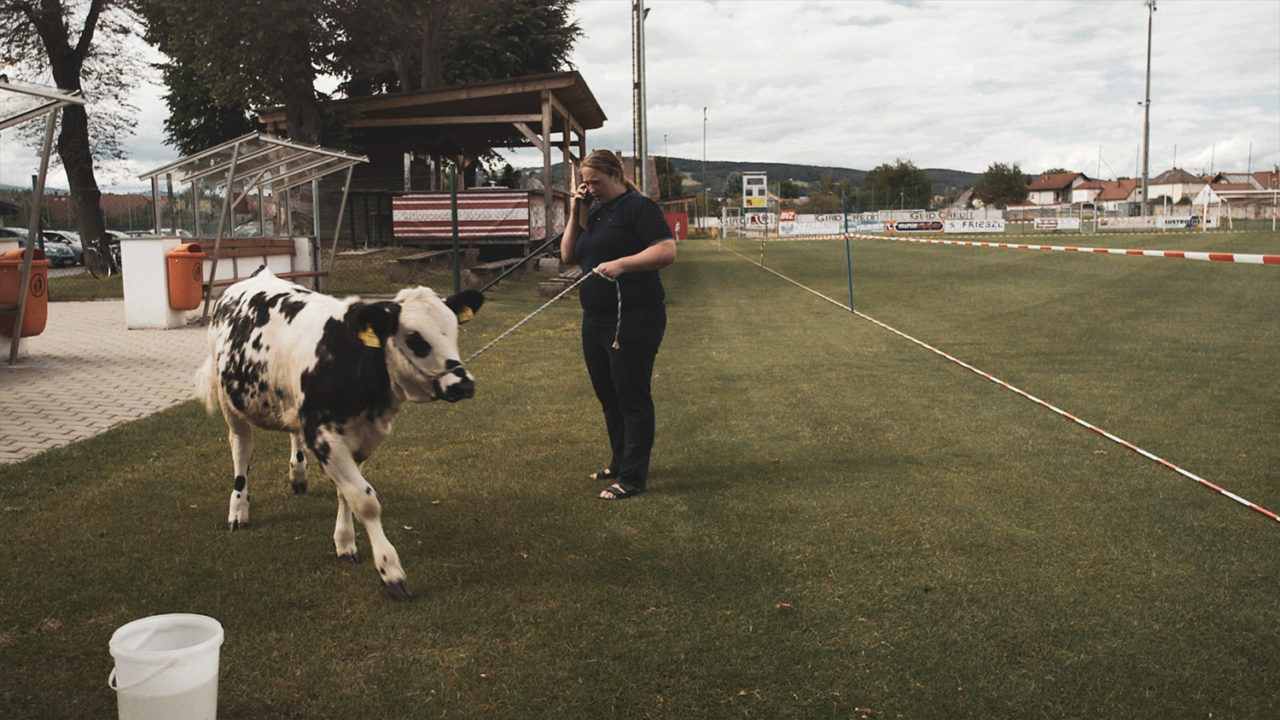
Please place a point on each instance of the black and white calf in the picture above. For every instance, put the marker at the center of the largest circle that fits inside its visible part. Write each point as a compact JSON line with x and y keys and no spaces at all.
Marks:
{"x":333,"y":374}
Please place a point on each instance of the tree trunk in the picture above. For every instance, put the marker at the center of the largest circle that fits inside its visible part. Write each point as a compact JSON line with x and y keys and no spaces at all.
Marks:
{"x":73,"y":139}
{"x":77,"y":160}
{"x":432,"y":49}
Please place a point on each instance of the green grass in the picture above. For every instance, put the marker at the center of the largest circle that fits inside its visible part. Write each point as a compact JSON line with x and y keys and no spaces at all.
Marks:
{"x":839,"y":521}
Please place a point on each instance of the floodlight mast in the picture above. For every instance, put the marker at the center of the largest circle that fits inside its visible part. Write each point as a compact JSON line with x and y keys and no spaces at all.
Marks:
{"x":1146,"y":113}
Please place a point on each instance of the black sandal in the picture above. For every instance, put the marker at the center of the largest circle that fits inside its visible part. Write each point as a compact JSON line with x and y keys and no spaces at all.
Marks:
{"x":604,"y":473}
{"x":619,"y":491}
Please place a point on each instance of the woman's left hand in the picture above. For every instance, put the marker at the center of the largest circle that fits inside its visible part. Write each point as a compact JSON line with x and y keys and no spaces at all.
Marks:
{"x":611,"y":269}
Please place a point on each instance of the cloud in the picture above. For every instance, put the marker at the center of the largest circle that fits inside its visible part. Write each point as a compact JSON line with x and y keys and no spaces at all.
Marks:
{"x":958,"y":84}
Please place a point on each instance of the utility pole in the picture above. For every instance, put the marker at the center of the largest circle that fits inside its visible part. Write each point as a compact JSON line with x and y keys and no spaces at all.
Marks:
{"x":641,"y":130}
{"x":706,"y":186}
{"x":1146,"y":113}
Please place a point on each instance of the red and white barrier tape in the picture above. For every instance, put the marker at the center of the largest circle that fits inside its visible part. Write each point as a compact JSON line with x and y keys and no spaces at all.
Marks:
{"x":1063,"y":413}
{"x":1245,"y":258}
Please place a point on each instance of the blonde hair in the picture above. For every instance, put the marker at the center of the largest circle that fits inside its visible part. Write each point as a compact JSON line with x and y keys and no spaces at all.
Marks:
{"x":607,"y":162}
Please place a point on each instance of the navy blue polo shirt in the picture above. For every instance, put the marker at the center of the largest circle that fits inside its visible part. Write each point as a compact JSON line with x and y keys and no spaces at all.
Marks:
{"x":620,"y":227}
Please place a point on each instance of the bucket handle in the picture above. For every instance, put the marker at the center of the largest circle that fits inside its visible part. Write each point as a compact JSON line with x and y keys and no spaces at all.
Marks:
{"x":111,"y":679}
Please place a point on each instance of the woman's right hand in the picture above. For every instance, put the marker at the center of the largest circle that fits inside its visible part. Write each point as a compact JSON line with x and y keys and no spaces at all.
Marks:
{"x":581,"y":194}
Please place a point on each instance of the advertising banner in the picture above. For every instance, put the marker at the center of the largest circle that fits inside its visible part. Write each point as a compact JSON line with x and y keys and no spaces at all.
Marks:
{"x":973,"y":226}
{"x":910,"y":226}
{"x":1126,"y":223}
{"x":1064,"y":223}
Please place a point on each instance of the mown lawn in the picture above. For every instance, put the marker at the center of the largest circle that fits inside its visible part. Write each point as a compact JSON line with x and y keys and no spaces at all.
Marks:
{"x":839,"y":525}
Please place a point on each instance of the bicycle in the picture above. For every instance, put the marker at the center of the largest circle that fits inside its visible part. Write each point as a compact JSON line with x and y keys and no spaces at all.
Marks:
{"x":99,"y":264}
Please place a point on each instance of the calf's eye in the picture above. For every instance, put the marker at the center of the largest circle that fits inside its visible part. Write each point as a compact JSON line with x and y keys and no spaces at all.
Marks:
{"x":417,"y":344}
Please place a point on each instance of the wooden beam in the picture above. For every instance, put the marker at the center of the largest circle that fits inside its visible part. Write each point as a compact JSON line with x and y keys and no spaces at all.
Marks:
{"x":546,"y":165}
{"x":530,"y":134}
{"x":430,"y":98}
{"x":570,"y":122}
{"x":443,"y":120}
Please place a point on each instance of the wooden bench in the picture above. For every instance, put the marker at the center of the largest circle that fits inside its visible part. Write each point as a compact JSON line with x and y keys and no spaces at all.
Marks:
{"x":248,"y":254}
{"x":474,"y":276}
{"x":411,"y":268}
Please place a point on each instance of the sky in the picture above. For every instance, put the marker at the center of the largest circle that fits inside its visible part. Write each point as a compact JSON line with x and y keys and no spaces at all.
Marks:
{"x":945,"y":84}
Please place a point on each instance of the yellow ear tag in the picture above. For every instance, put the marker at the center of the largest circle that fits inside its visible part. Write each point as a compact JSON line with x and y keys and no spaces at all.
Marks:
{"x":466,"y":314}
{"x":369,"y":337}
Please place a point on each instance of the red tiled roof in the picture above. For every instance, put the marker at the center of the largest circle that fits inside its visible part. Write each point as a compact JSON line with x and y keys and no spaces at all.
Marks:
{"x":1056,"y":181}
{"x":1118,"y":190}
{"x":1267,"y":178}
{"x":1090,"y":185}
{"x":1175,"y":175}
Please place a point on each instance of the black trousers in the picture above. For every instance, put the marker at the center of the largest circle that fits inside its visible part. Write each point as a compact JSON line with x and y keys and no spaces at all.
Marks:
{"x":622,"y":380}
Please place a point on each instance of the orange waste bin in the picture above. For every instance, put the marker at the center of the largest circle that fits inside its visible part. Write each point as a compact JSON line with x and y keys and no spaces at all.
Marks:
{"x":37,"y":312}
{"x":185,"y":265}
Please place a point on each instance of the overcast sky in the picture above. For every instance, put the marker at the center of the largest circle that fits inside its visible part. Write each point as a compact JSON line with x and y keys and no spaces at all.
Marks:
{"x":952,"y":84}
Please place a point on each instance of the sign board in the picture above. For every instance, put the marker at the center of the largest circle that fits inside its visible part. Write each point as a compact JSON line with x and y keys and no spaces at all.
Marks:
{"x":678,"y":222}
{"x":755,"y":191}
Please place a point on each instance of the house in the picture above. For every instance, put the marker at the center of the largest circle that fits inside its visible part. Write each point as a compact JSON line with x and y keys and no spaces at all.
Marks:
{"x":1174,"y":184}
{"x":1119,"y":196}
{"x":1086,"y":192}
{"x":1054,"y":188}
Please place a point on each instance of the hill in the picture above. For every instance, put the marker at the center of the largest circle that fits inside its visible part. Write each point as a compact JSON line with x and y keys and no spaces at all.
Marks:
{"x":718,"y":172}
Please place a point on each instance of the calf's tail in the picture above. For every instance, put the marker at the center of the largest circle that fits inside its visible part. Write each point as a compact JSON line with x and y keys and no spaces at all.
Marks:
{"x":206,"y":386}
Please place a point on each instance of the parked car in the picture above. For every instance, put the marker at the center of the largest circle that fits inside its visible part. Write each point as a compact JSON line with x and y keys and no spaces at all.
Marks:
{"x":70,"y":239}
{"x":58,"y":254}
{"x":164,"y":232}
{"x":12,"y":232}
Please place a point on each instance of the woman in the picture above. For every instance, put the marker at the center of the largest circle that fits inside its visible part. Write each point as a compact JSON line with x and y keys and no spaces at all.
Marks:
{"x":615,"y":231}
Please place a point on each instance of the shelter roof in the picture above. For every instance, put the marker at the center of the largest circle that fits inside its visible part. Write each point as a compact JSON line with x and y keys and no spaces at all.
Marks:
{"x":1267,"y":178}
{"x":469,"y":118}
{"x":21,"y":102}
{"x":1054,"y":181}
{"x":261,"y":160}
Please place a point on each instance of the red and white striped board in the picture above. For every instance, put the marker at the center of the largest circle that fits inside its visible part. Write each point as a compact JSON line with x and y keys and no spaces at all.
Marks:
{"x":481,"y":214}
{"x":1245,"y":258}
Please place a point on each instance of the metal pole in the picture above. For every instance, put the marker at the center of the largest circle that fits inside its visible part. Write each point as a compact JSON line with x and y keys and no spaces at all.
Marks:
{"x":706,"y":186}
{"x":337,"y":227}
{"x":222,"y":218}
{"x":155,"y":205}
{"x":457,"y":249}
{"x":315,"y":209}
{"x":643,"y":172}
{"x":1146,"y":114}
{"x":848,"y":251}
{"x":33,"y":225}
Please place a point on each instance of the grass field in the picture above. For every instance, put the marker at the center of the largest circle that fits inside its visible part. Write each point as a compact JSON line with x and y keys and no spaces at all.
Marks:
{"x":840,"y":524}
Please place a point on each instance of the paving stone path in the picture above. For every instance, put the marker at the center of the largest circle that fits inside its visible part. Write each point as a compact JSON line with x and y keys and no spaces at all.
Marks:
{"x":87,"y":373}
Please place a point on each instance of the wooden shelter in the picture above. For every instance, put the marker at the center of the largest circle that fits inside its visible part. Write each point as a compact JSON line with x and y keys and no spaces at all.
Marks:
{"x":407,"y":136}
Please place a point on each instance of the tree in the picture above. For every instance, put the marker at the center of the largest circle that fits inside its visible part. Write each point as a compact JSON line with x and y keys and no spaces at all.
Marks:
{"x":196,"y":120}
{"x":269,"y":55}
{"x":789,"y":190}
{"x":899,"y":185}
{"x":670,"y":181}
{"x":1056,"y":171}
{"x":1001,"y":185}
{"x":36,"y":36}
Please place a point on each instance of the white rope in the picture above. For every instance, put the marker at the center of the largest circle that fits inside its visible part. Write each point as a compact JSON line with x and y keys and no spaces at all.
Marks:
{"x":548,"y":304}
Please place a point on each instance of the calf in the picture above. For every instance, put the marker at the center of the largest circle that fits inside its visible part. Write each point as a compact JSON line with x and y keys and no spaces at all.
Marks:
{"x":333,"y":374}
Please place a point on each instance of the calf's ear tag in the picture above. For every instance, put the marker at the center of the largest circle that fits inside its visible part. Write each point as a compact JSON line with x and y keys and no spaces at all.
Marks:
{"x":465,"y":314}
{"x":369,"y":337}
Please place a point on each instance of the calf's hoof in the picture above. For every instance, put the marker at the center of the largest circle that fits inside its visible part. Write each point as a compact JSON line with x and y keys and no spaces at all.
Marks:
{"x":299,"y":488}
{"x":237,"y":525}
{"x":352,"y":557}
{"x":397,"y":590}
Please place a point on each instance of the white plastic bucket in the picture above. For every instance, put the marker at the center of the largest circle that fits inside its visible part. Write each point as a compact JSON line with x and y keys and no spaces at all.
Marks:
{"x":167,"y":667}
